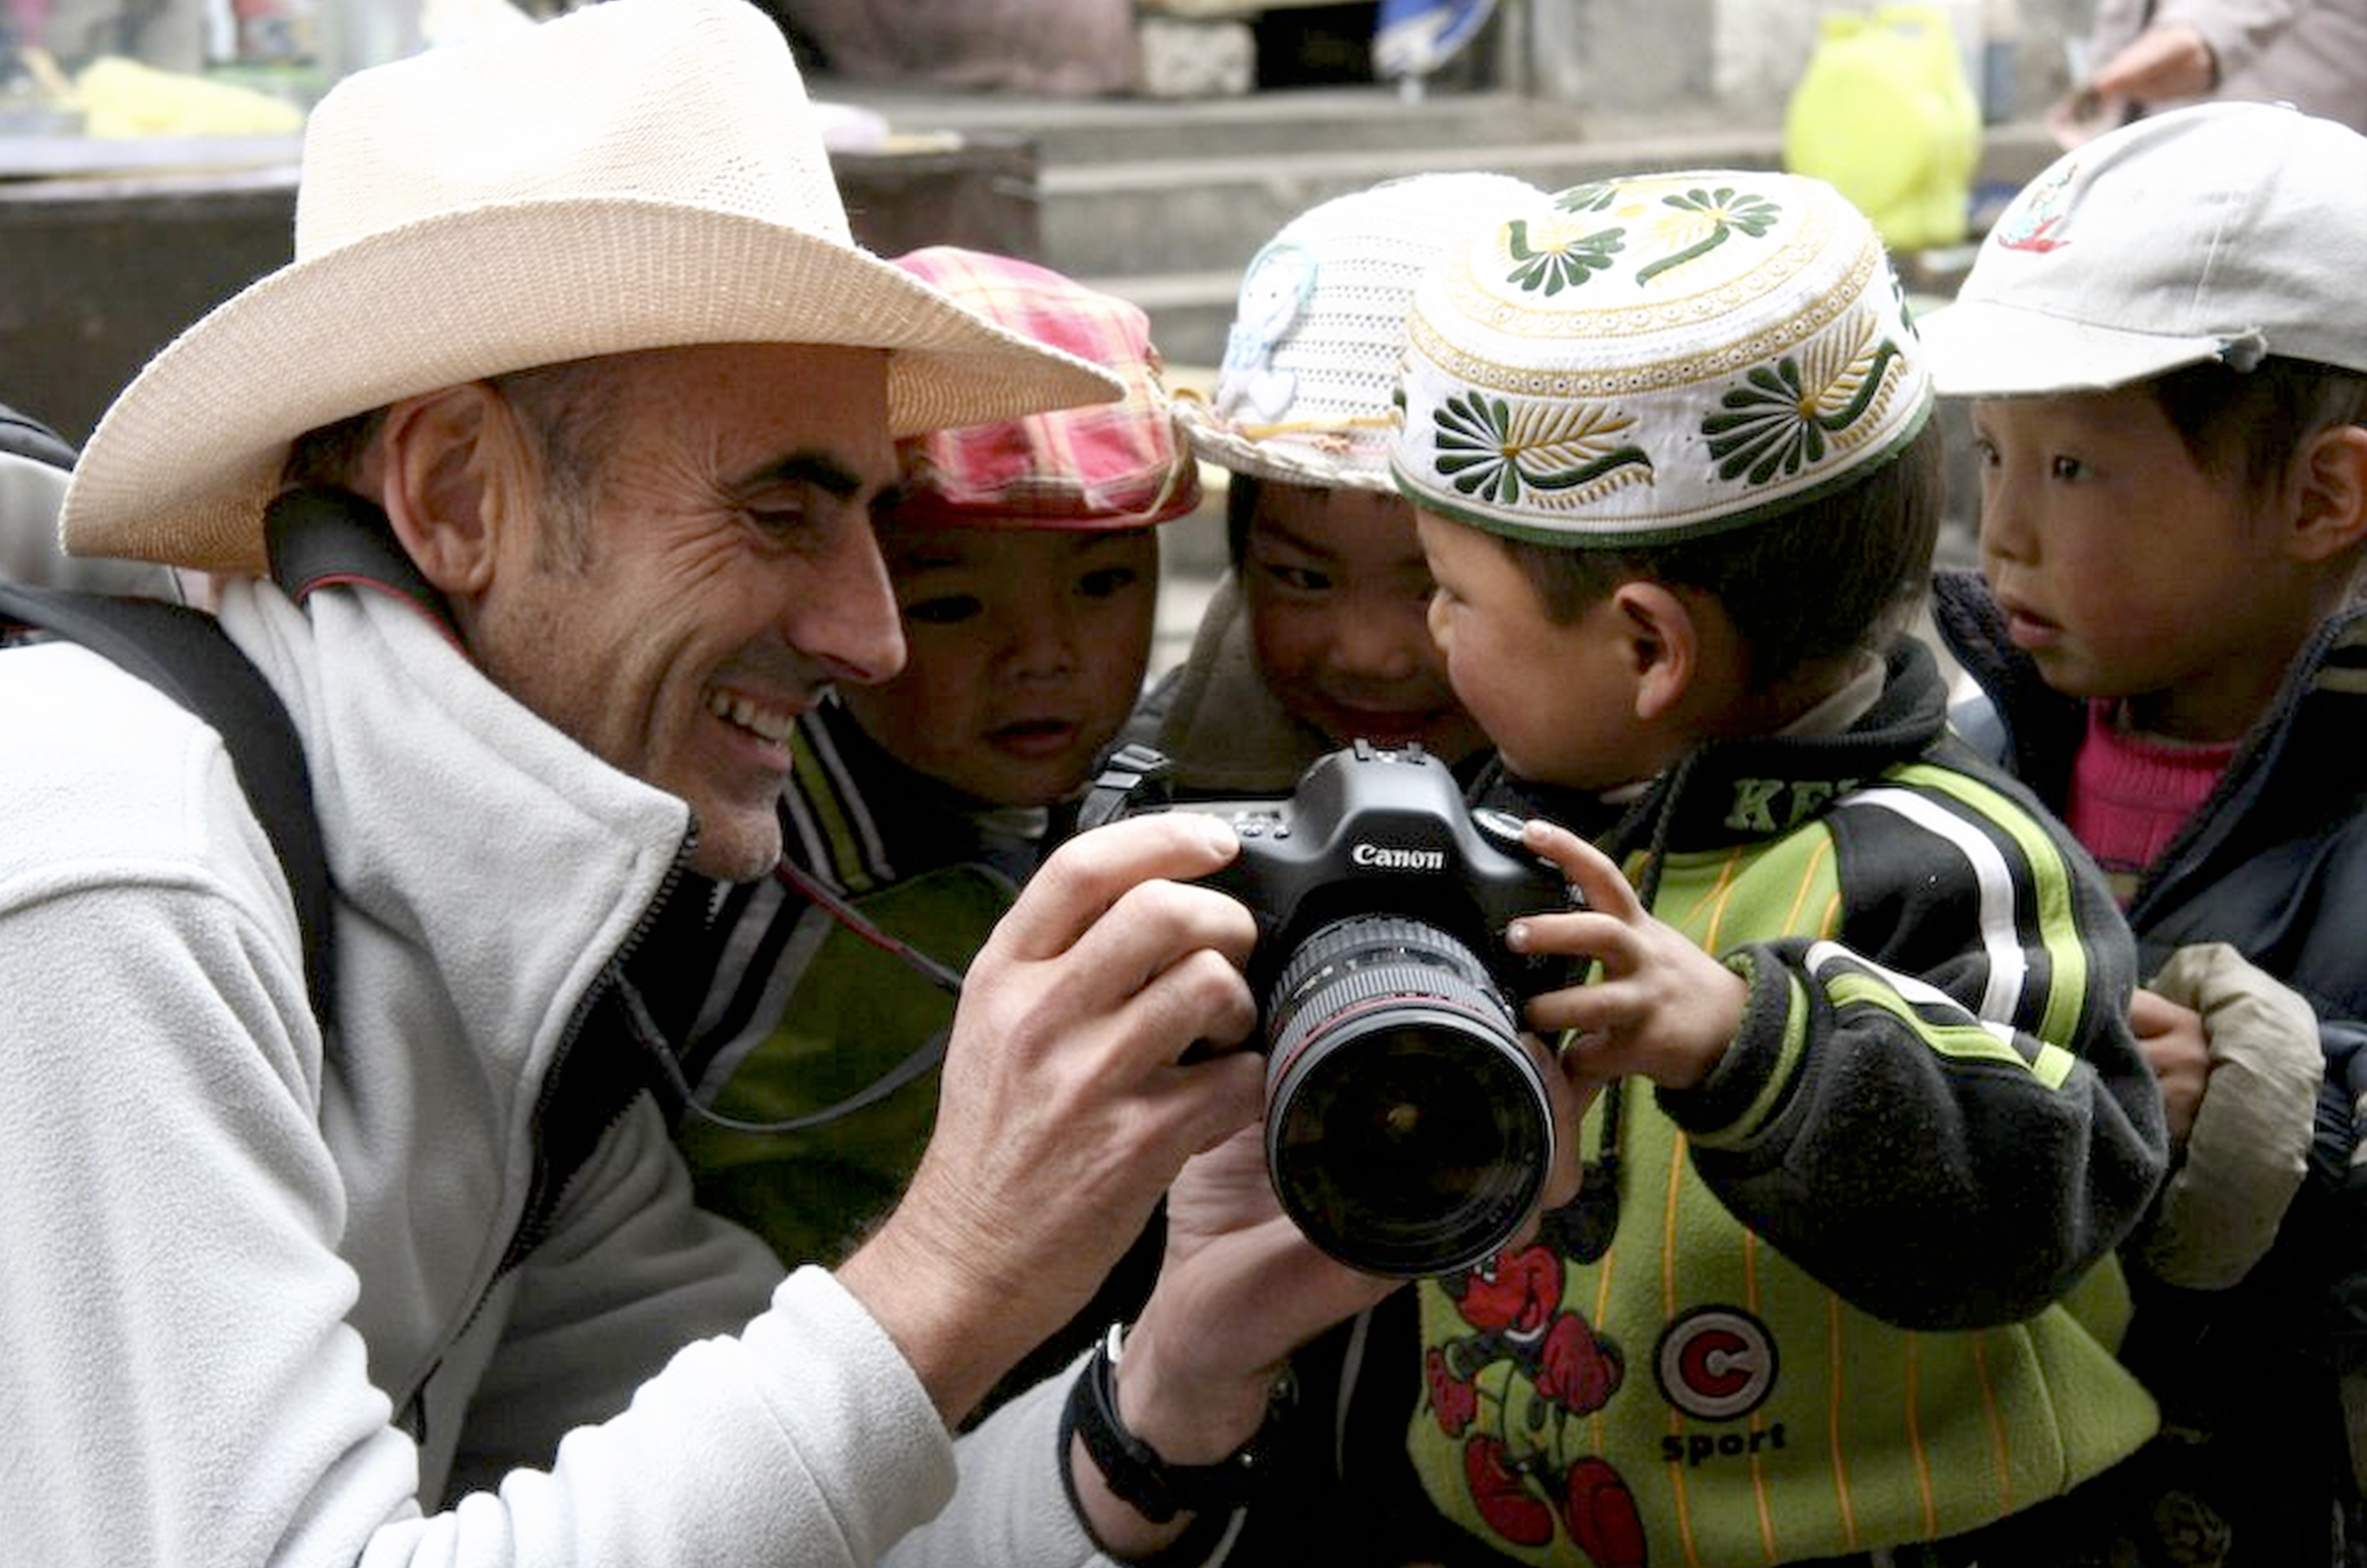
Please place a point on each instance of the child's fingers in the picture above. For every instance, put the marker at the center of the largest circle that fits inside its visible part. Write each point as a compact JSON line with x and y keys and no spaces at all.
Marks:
{"x":1571,"y":936}
{"x":1592,"y":873}
{"x":1590,"y":1010}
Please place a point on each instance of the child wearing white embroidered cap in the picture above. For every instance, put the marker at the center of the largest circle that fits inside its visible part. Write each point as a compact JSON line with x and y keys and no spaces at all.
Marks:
{"x":2169,"y":375}
{"x":1668,"y":449}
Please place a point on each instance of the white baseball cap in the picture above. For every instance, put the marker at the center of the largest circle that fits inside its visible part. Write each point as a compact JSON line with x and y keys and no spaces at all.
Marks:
{"x":2222,"y":232}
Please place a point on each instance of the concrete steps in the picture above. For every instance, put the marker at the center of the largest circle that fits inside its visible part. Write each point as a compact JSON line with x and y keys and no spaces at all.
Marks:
{"x":1174,"y":235}
{"x":1072,"y":131}
{"x":1164,"y":202}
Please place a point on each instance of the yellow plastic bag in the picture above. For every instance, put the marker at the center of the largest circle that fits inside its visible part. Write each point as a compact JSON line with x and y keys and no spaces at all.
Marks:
{"x":122,"y":96}
{"x":1883,"y":114}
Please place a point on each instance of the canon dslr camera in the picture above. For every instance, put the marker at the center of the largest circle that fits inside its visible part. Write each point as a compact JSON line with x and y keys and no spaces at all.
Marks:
{"x":1407,"y":1126}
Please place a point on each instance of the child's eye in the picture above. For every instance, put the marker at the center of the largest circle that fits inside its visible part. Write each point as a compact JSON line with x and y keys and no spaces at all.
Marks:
{"x":1298,"y":579}
{"x":1985,"y":452}
{"x":2067,"y":469}
{"x":1107,"y":581}
{"x":944,"y":611}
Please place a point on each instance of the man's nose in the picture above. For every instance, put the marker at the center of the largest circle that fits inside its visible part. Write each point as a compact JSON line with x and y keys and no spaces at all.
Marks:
{"x":847,"y":618}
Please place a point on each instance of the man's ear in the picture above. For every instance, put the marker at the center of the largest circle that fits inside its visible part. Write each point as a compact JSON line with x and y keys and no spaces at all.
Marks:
{"x":452,"y":464}
{"x":2329,"y":511}
{"x":1663,"y":645}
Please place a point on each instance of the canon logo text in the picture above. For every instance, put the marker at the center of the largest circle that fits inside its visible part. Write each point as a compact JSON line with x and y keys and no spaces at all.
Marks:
{"x":1382,"y":858}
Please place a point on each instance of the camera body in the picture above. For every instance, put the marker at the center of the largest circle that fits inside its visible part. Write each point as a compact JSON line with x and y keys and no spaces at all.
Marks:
{"x":1408,"y":1127}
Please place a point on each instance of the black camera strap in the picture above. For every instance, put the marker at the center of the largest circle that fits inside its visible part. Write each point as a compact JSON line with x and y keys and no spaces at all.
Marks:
{"x":1131,"y":767}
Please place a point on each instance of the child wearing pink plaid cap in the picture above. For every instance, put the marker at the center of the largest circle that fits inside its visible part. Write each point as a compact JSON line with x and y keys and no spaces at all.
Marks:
{"x":1025,"y":565}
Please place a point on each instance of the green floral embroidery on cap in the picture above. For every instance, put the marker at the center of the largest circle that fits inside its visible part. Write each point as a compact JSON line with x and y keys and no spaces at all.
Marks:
{"x":1784,"y":415}
{"x":1592,"y":196}
{"x":1487,"y":451}
{"x":1553,"y":256}
{"x":1727,"y":212}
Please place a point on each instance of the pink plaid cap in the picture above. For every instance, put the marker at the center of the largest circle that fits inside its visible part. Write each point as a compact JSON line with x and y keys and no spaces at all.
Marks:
{"x":1102,"y":466}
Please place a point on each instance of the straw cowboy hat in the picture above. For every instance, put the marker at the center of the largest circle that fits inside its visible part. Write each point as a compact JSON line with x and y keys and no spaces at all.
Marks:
{"x":640,"y":174}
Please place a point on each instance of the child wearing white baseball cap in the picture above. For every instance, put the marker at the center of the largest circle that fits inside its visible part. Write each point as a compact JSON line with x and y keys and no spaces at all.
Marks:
{"x":2168,"y":362}
{"x":1866,"y":1121}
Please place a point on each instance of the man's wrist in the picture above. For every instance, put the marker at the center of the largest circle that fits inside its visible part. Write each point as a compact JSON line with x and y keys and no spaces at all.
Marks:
{"x":1192,"y":1412}
{"x":943,"y":1329}
{"x":1138,"y":1473}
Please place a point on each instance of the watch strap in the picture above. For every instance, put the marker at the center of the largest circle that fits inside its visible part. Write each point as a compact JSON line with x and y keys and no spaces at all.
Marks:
{"x":1133,"y":1469}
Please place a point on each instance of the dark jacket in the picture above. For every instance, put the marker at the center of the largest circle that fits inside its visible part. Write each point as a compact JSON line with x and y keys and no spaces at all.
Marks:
{"x":2275,"y":865}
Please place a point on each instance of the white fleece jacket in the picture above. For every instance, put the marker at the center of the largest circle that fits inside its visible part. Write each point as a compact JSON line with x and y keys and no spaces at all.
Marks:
{"x":226,"y":1261}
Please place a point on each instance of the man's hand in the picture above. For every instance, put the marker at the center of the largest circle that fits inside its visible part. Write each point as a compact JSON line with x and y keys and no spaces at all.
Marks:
{"x":1660,"y":1006}
{"x":2178,"y":1049}
{"x":1066,"y":1108}
{"x":1240,"y":1289}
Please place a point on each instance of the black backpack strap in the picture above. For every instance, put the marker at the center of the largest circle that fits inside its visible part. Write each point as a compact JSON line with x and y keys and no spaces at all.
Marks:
{"x":184,"y":653}
{"x":318,"y":538}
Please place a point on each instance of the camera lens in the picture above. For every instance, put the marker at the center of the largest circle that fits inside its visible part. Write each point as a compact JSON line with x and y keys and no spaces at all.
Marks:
{"x":1407,"y":1123}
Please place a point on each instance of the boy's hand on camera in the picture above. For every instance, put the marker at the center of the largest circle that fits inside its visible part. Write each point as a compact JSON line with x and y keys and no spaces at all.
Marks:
{"x":1657,"y":1006}
{"x":2178,"y":1049}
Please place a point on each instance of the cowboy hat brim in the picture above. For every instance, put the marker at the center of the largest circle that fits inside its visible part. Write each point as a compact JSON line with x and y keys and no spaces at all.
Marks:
{"x":181,"y":467}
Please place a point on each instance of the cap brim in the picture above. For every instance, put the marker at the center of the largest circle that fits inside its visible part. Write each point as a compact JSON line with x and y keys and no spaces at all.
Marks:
{"x":1979,"y":348}
{"x":1303,"y":461}
{"x":181,"y":465}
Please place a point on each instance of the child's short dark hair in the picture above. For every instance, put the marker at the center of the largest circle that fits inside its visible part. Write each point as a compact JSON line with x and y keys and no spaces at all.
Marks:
{"x":2248,"y":424}
{"x":1832,"y":575}
{"x":1241,"y":510}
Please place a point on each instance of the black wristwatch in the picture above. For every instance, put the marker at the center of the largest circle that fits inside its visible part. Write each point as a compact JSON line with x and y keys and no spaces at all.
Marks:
{"x":1133,"y":1469}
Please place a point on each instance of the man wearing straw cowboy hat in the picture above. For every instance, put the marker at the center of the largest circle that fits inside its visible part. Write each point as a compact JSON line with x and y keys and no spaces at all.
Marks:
{"x":576,"y":398}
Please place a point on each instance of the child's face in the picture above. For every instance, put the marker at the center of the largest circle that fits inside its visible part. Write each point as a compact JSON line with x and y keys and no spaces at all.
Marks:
{"x":1556,"y":700}
{"x":2124,"y":569}
{"x":1337,"y":596}
{"x":1027,"y":649}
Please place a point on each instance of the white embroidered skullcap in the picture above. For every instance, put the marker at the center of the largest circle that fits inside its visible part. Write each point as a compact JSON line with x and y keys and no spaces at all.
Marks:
{"x":1656,"y":357}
